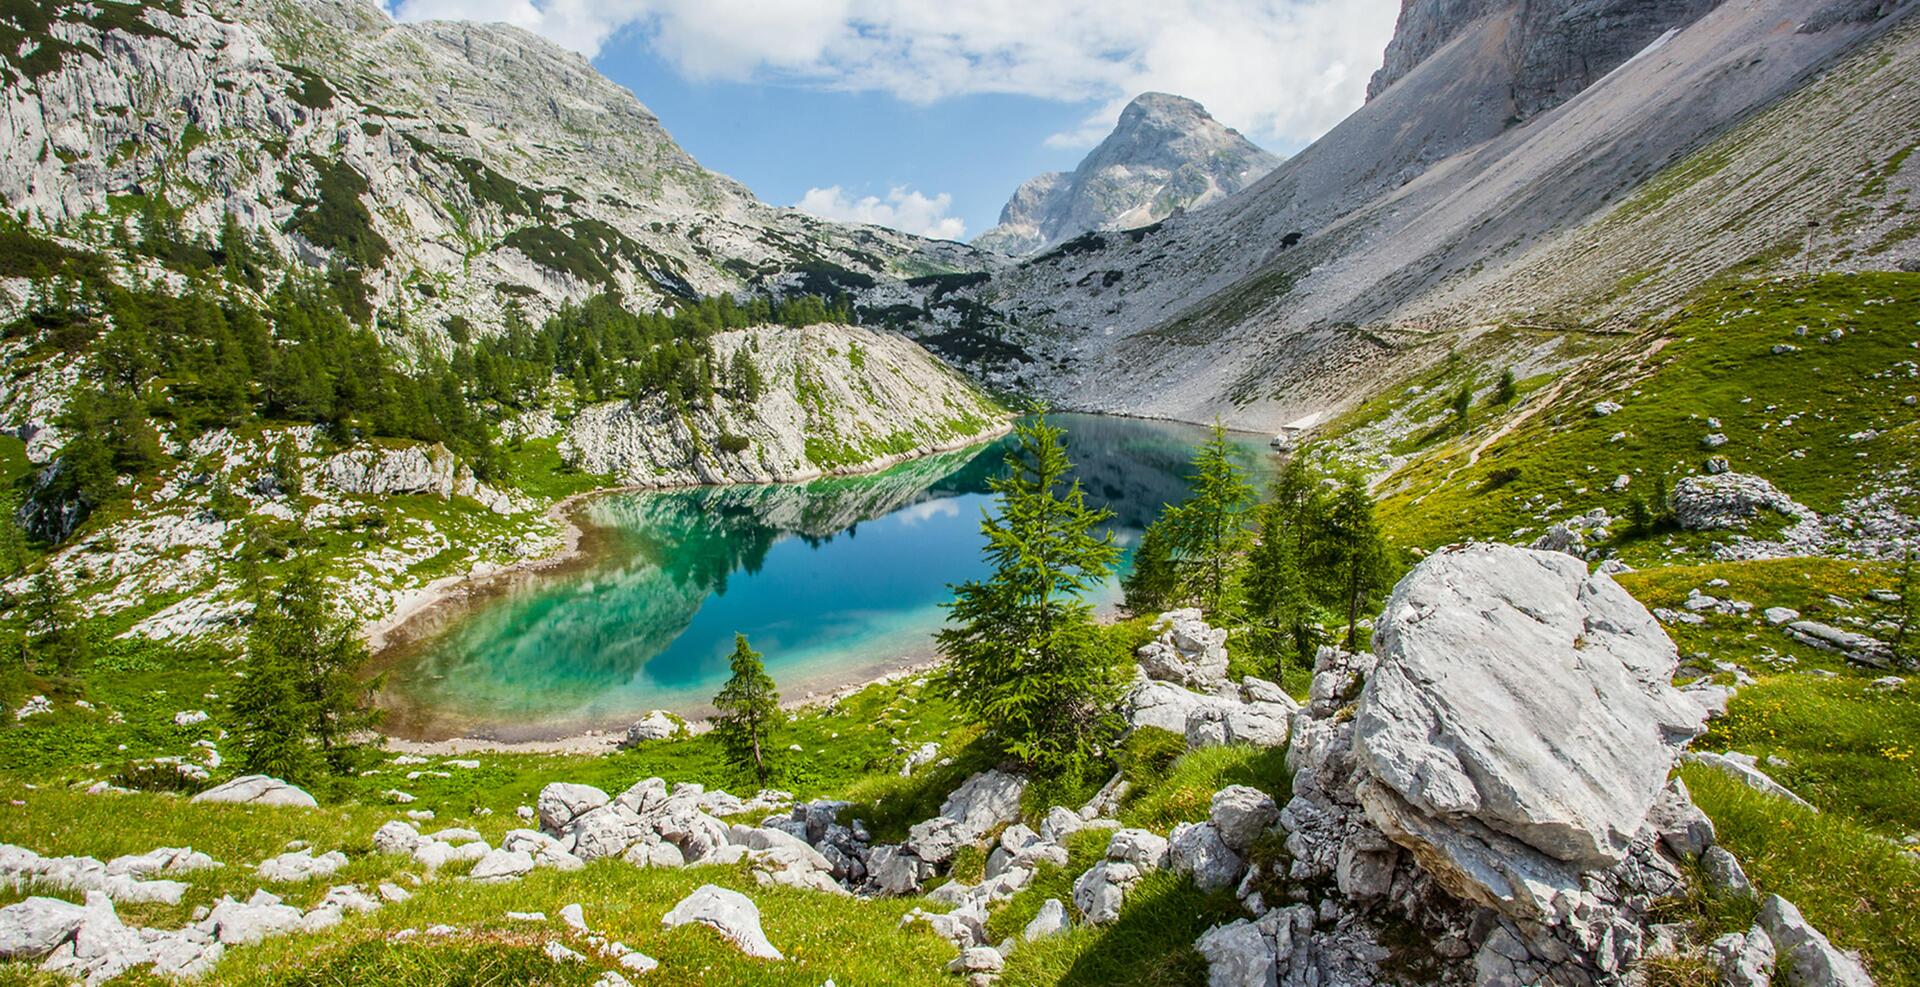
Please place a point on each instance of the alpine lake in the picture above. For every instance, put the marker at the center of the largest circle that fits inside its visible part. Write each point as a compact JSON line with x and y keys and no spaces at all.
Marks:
{"x":835,"y":581}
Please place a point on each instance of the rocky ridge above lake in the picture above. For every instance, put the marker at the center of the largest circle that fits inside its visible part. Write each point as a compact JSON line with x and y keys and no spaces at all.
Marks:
{"x":835,"y":399}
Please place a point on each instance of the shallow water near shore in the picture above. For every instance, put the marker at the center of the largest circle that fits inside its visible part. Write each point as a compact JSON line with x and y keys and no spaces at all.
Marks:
{"x":834,"y":581}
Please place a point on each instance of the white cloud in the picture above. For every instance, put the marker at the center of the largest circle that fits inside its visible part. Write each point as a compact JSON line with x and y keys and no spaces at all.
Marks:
{"x":903,"y":209}
{"x":1280,"y":70}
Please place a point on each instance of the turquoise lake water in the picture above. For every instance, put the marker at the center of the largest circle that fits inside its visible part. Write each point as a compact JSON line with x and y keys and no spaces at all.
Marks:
{"x":833,"y":581}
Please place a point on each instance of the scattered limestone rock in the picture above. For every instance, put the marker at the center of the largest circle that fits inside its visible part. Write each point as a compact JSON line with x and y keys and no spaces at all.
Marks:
{"x":1241,"y":813}
{"x":656,"y":725}
{"x":1805,"y":954}
{"x":163,"y":860}
{"x":398,"y":837}
{"x":729,"y":913}
{"x":1051,"y":919}
{"x":1188,"y":652}
{"x":1723,"y":873}
{"x":1199,"y":851}
{"x":19,"y":865}
{"x":1855,"y":647}
{"x":260,"y":917}
{"x":1746,"y":768}
{"x":501,"y":866}
{"x":1729,"y":500}
{"x":1099,"y":890}
{"x":300,"y":865}
{"x":1744,"y":960}
{"x":257,"y":790}
{"x":31,"y":929}
{"x":561,"y":803}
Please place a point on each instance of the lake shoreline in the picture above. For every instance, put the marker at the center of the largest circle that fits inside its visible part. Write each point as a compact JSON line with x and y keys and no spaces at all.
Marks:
{"x":1132,"y":463}
{"x":385,"y":632}
{"x":612,"y":739}
{"x":429,"y":610}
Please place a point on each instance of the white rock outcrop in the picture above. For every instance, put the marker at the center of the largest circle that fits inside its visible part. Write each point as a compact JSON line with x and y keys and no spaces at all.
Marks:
{"x":1520,"y":723}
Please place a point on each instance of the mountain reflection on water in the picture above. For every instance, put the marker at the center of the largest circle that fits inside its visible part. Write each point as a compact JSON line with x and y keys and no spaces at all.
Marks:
{"x":832,"y":580}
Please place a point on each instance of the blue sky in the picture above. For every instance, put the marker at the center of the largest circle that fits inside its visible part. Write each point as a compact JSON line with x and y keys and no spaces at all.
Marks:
{"x":925,"y":115}
{"x":784,"y":140}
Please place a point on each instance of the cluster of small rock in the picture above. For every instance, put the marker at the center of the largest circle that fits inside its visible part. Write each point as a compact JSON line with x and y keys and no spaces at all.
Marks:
{"x":1187,"y":655}
{"x":89,"y":942}
{"x":1181,"y":685}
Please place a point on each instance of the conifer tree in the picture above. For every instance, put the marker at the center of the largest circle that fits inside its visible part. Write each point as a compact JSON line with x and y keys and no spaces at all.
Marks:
{"x":55,"y":638}
{"x":285,"y":468}
{"x":13,"y":539}
{"x":747,"y":707}
{"x":743,"y":378}
{"x":1153,"y":583}
{"x":1359,"y":568}
{"x":1279,"y":596}
{"x":1463,"y":407}
{"x":1025,"y":658}
{"x":1211,"y":526}
{"x":1508,"y":389}
{"x":317,"y":660}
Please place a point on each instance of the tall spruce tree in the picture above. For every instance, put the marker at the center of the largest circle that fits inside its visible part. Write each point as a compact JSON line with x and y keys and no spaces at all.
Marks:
{"x":1153,"y":584}
{"x":1211,"y":525}
{"x":1358,"y":554}
{"x":1025,"y":658}
{"x":320,"y":697}
{"x":748,"y":706}
{"x":1279,"y":593}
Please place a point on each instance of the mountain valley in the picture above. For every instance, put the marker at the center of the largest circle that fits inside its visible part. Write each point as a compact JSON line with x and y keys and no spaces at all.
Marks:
{"x":1478,"y":548}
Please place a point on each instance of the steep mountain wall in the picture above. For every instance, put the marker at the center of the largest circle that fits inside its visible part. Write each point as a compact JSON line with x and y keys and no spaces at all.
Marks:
{"x":1554,"y":48}
{"x":1376,"y":245}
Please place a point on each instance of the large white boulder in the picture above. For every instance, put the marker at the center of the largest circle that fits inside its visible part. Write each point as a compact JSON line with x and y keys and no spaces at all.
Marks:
{"x":257,"y":790}
{"x":32,"y":928}
{"x":561,"y":803}
{"x":729,"y":913}
{"x":1520,"y":724}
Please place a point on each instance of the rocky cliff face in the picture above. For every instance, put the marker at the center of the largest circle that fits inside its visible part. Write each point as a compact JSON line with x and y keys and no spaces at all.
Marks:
{"x":1166,"y":154}
{"x":838,"y":399}
{"x":1556,"y":48}
{"x":455,"y":167}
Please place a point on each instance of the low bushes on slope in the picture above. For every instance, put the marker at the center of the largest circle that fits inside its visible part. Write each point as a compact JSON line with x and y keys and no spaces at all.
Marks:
{"x":1820,"y":418}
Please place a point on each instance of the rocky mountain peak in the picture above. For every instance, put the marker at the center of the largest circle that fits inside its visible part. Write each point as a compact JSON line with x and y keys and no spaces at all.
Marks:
{"x":1166,"y":153}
